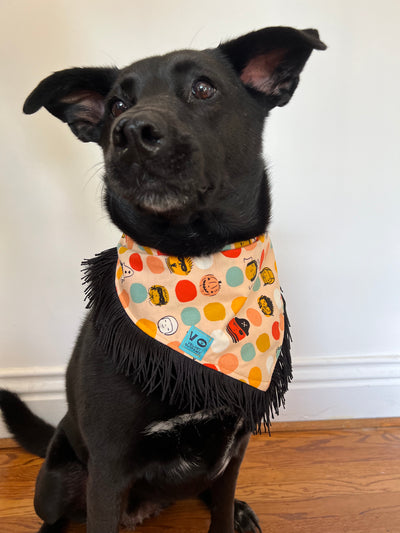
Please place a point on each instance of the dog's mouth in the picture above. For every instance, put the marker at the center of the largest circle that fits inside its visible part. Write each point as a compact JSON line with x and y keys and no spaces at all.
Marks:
{"x":154,"y":193}
{"x":155,"y":197}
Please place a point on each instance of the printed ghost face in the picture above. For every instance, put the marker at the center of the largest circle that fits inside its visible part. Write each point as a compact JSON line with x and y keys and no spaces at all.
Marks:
{"x":168,"y":325}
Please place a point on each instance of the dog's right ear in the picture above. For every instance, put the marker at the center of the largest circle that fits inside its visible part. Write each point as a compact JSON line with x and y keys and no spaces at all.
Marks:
{"x":75,"y":96}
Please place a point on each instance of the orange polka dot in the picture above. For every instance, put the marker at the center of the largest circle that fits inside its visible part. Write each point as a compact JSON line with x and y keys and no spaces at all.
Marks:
{"x":214,"y":311}
{"x":175,"y":346}
{"x":237,"y":304}
{"x":254,"y":316}
{"x":228,"y":363}
{"x":129,"y":242}
{"x":255,"y":377}
{"x":156,"y":266}
{"x":281,"y":322}
{"x":250,"y":246}
{"x":263,"y":342}
{"x":147,"y":326}
{"x":124,"y":299}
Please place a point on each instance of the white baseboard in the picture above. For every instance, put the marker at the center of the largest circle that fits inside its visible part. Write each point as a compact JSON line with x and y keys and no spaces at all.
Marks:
{"x":323,"y":388}
{"x":343,"y":387}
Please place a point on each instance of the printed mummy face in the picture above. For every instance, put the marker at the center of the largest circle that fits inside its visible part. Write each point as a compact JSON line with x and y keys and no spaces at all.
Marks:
{"x":158,"y":295}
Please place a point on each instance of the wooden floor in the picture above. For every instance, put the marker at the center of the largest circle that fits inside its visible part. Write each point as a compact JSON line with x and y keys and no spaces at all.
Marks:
{"x":343,"y":479}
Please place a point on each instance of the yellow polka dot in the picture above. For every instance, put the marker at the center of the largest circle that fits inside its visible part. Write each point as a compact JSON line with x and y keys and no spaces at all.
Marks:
{"x":237,"y":304}
{"x":122,"y":250}
{"x":255,"y":377}
{"x":242,"y":244}
{"x":263,"y":342}
{"x":147,"y":326}
{"x":261,"y":237}
{"x":119,"y":272}
{"x":214,"y":311}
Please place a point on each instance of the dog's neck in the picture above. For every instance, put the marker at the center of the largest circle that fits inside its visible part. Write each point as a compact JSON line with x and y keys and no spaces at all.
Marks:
{"x":205,"y":232}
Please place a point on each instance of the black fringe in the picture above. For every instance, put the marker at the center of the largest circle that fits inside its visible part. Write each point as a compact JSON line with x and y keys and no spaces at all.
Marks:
{"x":154,"y":366}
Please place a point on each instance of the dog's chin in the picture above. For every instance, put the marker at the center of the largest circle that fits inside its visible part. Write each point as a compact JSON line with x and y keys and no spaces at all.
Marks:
{"x":153,"y":194}
{"x":167,"y":205}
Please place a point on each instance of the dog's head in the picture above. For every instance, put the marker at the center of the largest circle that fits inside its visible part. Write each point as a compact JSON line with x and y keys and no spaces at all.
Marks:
{"x":182,"y":135}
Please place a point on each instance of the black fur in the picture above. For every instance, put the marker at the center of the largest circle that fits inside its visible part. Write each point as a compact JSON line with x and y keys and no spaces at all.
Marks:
{"x":181,"y":136}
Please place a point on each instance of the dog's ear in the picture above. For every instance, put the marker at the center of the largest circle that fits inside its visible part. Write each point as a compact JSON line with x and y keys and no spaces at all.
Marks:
{"x":269,"y":61}
{"x":75,"y":96}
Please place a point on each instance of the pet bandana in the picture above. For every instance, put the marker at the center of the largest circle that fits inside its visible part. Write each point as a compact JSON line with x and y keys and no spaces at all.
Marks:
{"x":223,"y":311}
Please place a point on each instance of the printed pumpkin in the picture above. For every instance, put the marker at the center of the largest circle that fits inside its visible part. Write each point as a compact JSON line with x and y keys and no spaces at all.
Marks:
{"x":209,"y":285}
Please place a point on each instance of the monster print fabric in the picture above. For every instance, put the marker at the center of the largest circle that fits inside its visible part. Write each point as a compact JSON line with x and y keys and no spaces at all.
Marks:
{"x":224,"y":311}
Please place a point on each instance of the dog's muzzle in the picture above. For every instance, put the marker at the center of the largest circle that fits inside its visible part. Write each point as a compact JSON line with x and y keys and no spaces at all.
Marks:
{"x":142,"y":135}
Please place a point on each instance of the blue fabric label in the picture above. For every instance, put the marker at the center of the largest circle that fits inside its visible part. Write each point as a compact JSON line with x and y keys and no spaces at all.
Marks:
{"x":196,"y":343}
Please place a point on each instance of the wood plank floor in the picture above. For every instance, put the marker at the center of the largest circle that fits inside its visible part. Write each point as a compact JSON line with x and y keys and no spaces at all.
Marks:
{"x":344,"y":480}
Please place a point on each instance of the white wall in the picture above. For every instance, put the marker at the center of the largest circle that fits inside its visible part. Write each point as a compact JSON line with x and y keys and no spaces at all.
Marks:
{"x":334,"y":162}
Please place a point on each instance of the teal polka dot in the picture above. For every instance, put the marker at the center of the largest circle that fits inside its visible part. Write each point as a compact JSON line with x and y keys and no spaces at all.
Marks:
{"x":247,"y":352}
{"x":190,"y":316}
{"x":138,"y":293}
{"x":234,"y":277}
{"x":257,"y":284}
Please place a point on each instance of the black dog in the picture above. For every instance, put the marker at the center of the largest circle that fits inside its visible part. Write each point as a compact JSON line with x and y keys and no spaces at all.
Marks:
{"x":184,"y":174}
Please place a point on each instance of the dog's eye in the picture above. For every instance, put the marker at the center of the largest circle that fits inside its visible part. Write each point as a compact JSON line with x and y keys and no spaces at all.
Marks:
{"x":117,"y":108}
{"x":203,"y":90}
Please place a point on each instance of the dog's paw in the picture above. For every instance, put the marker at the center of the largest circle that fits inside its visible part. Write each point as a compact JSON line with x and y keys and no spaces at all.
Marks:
{"x":57,"y":527}
{"x":246,"y":520}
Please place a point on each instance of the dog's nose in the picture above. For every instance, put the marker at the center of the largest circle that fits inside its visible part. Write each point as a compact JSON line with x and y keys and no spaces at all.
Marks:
{"x":144,"y":135}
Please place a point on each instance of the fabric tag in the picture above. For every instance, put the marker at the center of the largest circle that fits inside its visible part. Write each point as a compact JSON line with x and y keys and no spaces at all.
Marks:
{"x":196,"y":343}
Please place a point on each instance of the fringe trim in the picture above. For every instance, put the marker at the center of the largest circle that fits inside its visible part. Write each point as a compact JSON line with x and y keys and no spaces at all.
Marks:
{"x":156,"y":367}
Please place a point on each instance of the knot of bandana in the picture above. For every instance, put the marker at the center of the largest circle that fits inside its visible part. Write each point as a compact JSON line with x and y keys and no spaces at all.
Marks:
{"x":224,"y":311}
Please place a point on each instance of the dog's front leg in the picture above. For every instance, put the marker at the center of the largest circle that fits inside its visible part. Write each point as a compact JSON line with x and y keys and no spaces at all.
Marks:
{"x":221,"y":495}
{"x":105,"y":497}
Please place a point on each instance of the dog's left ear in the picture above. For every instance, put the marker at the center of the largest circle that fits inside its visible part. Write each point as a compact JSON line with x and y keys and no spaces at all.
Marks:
{"x":269,"y":61}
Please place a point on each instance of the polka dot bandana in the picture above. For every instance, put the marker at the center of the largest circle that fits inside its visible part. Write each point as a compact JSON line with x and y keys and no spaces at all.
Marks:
{"x":224,"y":311}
